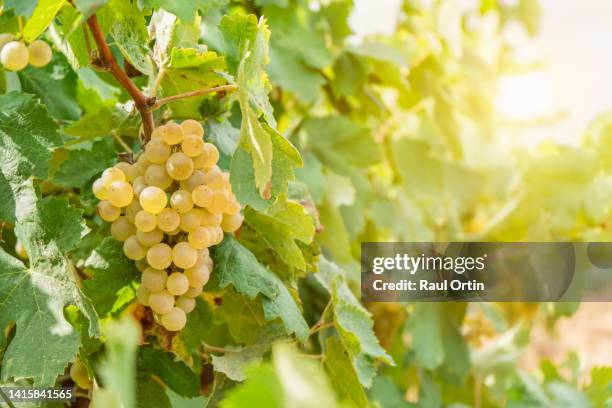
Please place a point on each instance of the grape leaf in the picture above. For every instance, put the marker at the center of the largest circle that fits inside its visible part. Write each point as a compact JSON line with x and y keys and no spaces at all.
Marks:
{"x":126,"y":25}
{"x":112,"y":271}
{"x":237,"y":266}
{"x":186,"y":9}
{"x":83,"y":164}
{"x":150,"y":393}
{"x":54,"y":84}
{"x":244,"y":317}
{"x":88,"y":7}
{"x":338,"y":364}
{"x":175,"y":374}
{"x":21,"y":7}
{"x":33,"y":296}
{"x":239,"y":31}
{"x":42,"y":16}
{"x":199,"y":323}
{"x":99,"y":123}
{"x":26,"y":135}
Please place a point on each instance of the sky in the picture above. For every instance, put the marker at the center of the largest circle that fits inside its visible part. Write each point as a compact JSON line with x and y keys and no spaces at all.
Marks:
{"x":575,"y":45}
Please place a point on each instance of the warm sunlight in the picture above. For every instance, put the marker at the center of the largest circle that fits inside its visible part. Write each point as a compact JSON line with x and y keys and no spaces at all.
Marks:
{"x":526,"y":96}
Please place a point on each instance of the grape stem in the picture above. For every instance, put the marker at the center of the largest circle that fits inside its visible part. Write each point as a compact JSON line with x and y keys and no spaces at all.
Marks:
{"x":197,"y":92}
{"x":142,"y":102}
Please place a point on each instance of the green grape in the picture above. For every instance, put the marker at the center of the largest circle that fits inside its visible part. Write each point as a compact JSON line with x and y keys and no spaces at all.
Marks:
{"x":196,"y":179}
{"x":157,"y":151}
{"x":186,"y":303}
{"x":121,"y":229}
{"x":211,"y":220}
{"x":179,"y":166}
{"x":6,"y":38}
{"x":133,"y":249}
{"x":200,"y":238}
{"x":192,"y":127}
{"x":161,"y":302}
{"x":107,"y":211}
{"x":174,"y":320}
{"x":142,"y":294}
{"x":128,"y":169}
{"x":191,"y":220}
{"x":145,"y":221}
{"x":193,"y":292}
{"x":14,"y":56}
{"x":153,"y":199}
{"x":78,"y":373}
{"x":172,"y":133}
{"x":111,"y":175}
{"x":168,"y":220}
{"x":231,"y":222}
{"x":202,"y":196}
{"x":219,"y":202}
{"x":181,"y":201}
{"x":138,"y":185}
{"x":212,"y":155}
{"x":177,"y":283}
{"x":141,"y":265}
{"x":198,"y":277}
{"x":131,"y":211}
{"x":39,"y":53}
{"x":156,"y":175}
{"x":184,"y":255}
{"x":120,"y":193}
{"x":154,"y":280}
{"x":99,"y":190}
{"x":192,"y":145}
{"x":159,"y":256}
{"x":150,"y":238}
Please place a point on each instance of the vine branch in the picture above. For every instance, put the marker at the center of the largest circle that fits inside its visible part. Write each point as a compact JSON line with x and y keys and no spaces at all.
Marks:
{"x":142,"y":102}
{"x":197,"y":92}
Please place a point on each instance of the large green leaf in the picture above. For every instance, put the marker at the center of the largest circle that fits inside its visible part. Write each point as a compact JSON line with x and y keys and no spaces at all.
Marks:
{"x":26,"y":135}
{"x":342,"y":374}
{"x":33,"y":296}
{"x":175,"y":374}
{"x":42,"y":16}
{"x":83,"y":164}
{"x":186,"y":9}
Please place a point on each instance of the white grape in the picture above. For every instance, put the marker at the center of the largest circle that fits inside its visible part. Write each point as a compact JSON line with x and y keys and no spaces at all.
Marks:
{"x":200,"y":238}
{"x":6,"y":38}
{"x":14,"y":56}
{"x":186,"y":303}
{"x":192,"y":127}
{"x":192,"y":145}
{"x":179,"y":166}
{"x":193,"y":292}
{"x":202,"y":196}
{"x":168,"y":220}
{"x":184,"y":255}
{"x":181,"y":201}
{"x":128,"y":169}
{"x":172,"y":133}
{"x":161,"y":302}
{"x":78,"y":373}
{"x":120,"y":193}
{"x":142,"y":164}
{"x":198,"y":277}
{"x":138,"y":185}
{"x":157,"y":151}
{"x":219,"y":202}
{"x":173,"y":232}
{"x":212,"y":155}
{"x":107,"y":211}
{"x":156,"y":175}
{"x":99,"y":190}
{"x":158,"y":133}
{"x":154,"y":280}
{"x":40,"y":53}
{"x":197,"y":178}
{"x":233,"y":207}
{"x":131,"y":211}
{"x":133,"y":249}
{"x":142,"y":295}
{"x":231,"y":222}
{"x":150,"y":238}
{"x":145,"y":221}
{"x":141,"y":265}
{"x":210,"y":219}
{"x":191,"y":220}
{"x":121,"y":229}
{"x":177,"y":283}
{"x":159,"y":256}
{"x":153,"y":199}
{"x":111,"y":175}
{"x":20,"y":250}
{"x":174,"y":320}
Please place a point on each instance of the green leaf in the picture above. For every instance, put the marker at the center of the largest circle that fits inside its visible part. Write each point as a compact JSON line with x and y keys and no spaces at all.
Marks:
{"x":126,"y":25}
{"x":237,"y":266}
{"x":99,"y":123}
{"x":263,"y":389}
{"x":42,"y":16}
{"x":342,"y":374}
{"x":186,"y":9}
{"x":88,"y":7}
{"x":199,"y":323}
{"x":244,"y":317}
{"x":21,"y":7}
{"x":243,"y":181}
{"x":150,"y":393}
{"x":239,"y":31}
{"x":175,"y":374}
{"x":34,"y":296}
{"x":83,"y":164}
{"x":27,"y":134}
{"x":112,"y":271}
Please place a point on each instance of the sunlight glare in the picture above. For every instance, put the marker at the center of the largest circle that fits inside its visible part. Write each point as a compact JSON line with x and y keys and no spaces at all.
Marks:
{"x":526,"y":96}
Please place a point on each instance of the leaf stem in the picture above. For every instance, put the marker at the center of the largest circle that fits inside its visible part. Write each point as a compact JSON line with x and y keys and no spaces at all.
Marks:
{"x":157,"y":83}
{"x":215,"y":349}
{"x":121,"y":141}
{"x":20,"y":22}
{"x":197,"y":92}
{"x":320,"y":326}
{"x":142,"y":102}
{"x":6,"y":399}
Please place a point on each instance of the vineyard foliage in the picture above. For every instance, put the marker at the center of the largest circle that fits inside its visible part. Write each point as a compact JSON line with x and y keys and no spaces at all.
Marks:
{"x":329,"y":140}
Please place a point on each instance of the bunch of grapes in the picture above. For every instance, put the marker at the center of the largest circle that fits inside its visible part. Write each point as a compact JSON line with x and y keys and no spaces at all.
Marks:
{"x":15,"y":55}
{"x":168,"y":208}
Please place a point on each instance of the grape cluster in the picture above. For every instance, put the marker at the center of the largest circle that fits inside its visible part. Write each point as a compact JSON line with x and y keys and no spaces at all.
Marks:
{"x":168,"y":208}
{"x":15,"y":55}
